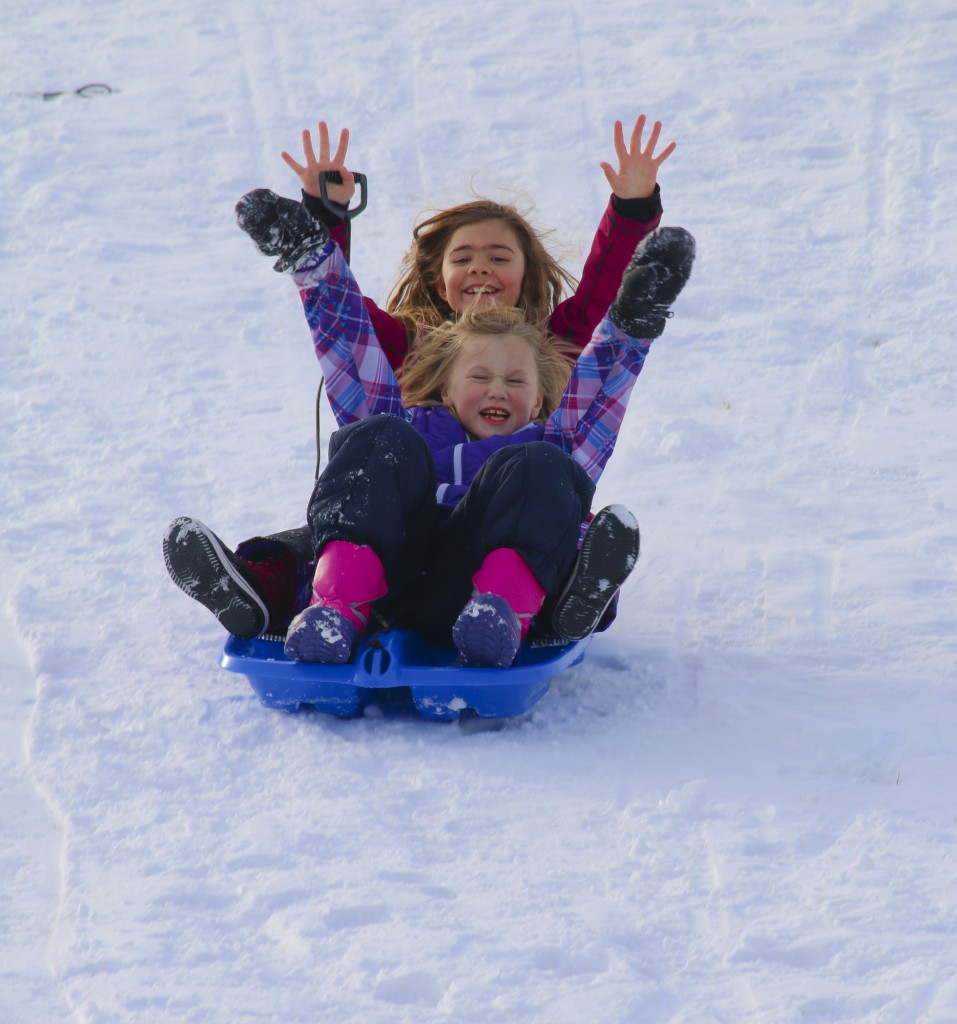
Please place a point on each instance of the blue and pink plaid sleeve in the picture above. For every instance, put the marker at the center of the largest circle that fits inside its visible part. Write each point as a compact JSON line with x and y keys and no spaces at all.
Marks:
{"x":589,"y":416}
{"x":359,"y":381}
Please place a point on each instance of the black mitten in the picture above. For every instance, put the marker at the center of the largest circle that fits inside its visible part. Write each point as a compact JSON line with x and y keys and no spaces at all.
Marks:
{"x":279,"y":227}
{"x":655,"y":276}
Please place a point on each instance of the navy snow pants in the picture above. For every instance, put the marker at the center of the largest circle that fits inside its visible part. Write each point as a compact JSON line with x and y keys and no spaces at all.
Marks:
{"x":378,"y":488}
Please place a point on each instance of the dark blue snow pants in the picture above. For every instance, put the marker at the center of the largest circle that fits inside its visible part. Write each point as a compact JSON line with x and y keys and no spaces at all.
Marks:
{"x":378,"y":488}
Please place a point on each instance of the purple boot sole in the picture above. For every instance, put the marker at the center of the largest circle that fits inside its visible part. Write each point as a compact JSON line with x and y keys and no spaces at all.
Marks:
{"x":487,"y":632}
{"x":321,"y":634}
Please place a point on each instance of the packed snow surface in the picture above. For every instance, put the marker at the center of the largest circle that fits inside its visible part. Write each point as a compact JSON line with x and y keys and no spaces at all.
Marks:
{"x":742,"y":805}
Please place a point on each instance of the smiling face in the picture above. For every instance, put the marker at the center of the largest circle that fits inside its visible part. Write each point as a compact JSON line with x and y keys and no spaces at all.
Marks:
{"x":493,"y":388}
{"x":483,"y":266}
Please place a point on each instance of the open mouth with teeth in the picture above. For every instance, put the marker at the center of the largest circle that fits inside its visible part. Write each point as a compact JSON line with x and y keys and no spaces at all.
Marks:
{"x":482,"y":289}
{"x":494,"y":415}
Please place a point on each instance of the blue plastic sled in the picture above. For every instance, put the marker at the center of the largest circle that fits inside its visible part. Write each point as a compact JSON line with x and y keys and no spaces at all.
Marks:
{"x":399,"y":659}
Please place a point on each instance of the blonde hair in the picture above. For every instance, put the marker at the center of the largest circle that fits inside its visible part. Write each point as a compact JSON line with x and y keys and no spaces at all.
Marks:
{"x":415,"y":299}
{"x":428,"y":366}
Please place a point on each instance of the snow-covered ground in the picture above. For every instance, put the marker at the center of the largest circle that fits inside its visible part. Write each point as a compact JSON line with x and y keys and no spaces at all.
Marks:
{"x":742,"y":806}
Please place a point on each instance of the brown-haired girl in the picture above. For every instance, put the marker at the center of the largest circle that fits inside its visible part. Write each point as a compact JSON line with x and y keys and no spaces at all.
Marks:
{"x":484,"y":253}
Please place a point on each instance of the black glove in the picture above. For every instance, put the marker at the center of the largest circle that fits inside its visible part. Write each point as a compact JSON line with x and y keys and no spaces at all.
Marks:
{"x":655,"y":276}
{"x":279,"y":227}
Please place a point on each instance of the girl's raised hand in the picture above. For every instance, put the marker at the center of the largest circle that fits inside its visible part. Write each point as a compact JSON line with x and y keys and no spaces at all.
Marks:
{"x":309,"y":173}
{"x":637,"y":168}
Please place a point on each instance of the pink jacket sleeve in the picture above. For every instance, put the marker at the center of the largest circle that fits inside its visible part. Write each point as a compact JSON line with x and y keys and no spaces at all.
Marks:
{"x":391,"y":334}
{"x":576,"y":318}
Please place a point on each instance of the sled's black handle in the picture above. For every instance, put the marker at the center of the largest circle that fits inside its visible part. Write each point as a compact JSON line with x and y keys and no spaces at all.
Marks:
{"x":335,"y":178}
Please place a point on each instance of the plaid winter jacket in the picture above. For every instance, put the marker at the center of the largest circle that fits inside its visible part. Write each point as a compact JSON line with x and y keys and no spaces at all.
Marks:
{"x":360,"y":382}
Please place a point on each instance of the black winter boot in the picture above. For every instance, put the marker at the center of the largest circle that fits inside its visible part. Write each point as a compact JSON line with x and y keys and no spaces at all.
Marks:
{"x":655,"y":276}
{"x":203,"y":567}
{"x":279,"y":227}
{"x":608,"y":554}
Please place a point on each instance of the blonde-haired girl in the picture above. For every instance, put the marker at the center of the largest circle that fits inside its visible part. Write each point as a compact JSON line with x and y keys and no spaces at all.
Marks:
{"x":427,"y":367}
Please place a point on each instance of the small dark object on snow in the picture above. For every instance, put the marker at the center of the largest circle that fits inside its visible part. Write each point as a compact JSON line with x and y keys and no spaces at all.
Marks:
{"x":84,"y":92}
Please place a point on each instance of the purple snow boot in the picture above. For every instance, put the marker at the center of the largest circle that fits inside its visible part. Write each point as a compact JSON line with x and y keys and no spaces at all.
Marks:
{"x":506,"y":598}
{"x":487,"y":632}
{"x":321,"y":634}
{"x":348,"y":579}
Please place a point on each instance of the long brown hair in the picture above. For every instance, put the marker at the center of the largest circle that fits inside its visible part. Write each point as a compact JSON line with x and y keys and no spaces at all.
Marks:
{"x":415,"y":299}
{"x":427,"y":368}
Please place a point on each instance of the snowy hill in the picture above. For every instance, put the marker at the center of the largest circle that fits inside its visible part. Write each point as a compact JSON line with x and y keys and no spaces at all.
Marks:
{"x":741,"y":807}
